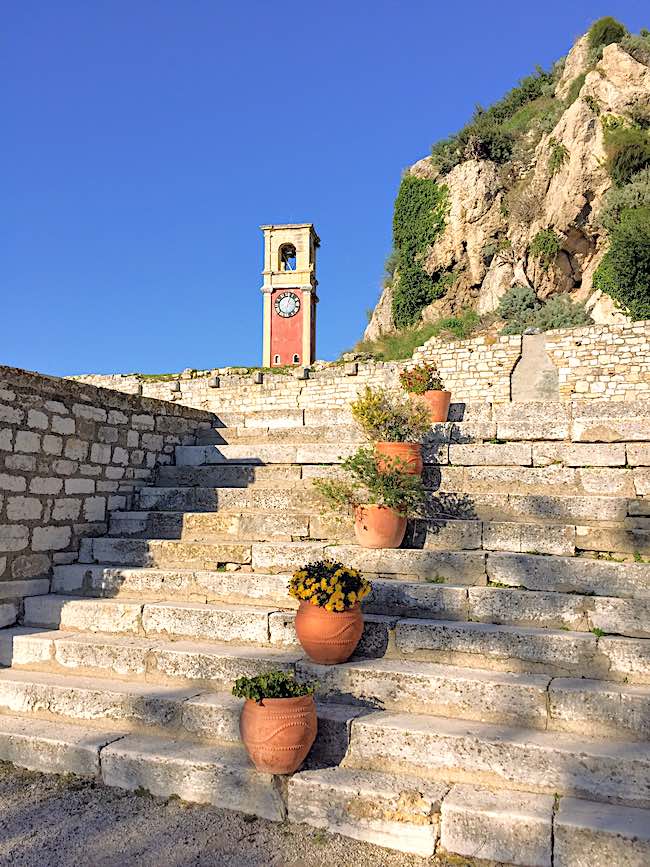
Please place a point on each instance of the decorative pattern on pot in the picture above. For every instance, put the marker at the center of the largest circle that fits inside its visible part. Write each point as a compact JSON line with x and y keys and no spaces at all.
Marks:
{"x":406,"y":457}
{"x":328,"y":637}
{"x":329,"y":621}
{"x":379,"y":527}
{"x":279,"y":732}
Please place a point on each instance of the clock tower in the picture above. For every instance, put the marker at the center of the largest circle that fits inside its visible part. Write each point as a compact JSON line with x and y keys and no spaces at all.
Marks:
{"x":289,"y":291}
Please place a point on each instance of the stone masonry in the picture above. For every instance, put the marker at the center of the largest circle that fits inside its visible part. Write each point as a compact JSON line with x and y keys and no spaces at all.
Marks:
{"x":611,"y":362}
{"x":70,"y":455}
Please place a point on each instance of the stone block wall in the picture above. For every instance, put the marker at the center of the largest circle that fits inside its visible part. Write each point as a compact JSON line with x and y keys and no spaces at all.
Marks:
{"x":69,"y":455}
{"x":594,"y":362}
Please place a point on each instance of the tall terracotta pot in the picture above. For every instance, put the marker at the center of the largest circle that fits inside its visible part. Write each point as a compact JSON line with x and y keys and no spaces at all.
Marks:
{"x":379,"y":527}
{"x":278,"y":732}
{"x":404,"y":456}
{"x":438,"y":403}
{"x":328,"y":637}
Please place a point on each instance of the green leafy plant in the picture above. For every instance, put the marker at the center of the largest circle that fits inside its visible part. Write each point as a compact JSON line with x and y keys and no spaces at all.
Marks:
{"x":558,"y":155}
{"x":330,"y":585}
{"x":419,"y":218}
{"x":385,"y":417}
{"x":545,"y":247}
{"x":521,"y":309}
{"x":574,"y":89}
{"x":605,"y":31}
{"x":627,"y":148}
{"x":367,"y":485}
{"x":271,"y":684}
{"x":635,"y":194}
{"x":638,"y":46}
{"x":624,"y":271}
{"x":421,"y":378}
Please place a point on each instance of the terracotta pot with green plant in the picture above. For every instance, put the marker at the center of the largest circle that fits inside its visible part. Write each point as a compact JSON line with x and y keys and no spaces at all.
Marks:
{"x":379,"y":497}
{"x":278,"y":722}
{"x":425,"y":382}
{"x":329,"y":622}
{"x":395,"y":425}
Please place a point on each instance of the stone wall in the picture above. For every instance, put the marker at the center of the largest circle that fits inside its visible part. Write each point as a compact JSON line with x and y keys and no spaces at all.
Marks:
{"x":69,"y":455}
{"x":594,"y":362}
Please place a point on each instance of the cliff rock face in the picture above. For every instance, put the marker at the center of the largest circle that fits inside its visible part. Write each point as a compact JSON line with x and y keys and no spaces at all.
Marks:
{"x":494,"y":214}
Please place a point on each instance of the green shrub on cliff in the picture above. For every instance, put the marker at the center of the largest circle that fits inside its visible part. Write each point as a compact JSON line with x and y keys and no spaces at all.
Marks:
{"x":624,"y":272}
{"x":419,"y":217}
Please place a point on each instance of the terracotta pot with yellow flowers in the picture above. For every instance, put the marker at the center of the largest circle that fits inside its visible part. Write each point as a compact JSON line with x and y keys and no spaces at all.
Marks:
{"x":329,"y":621}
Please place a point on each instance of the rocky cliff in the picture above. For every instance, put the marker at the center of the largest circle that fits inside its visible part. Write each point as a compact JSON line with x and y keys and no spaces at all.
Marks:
{"x":529,"y":216}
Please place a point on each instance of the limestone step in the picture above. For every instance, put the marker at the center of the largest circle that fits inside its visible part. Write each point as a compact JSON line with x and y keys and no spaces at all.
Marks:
{"x":137,"y":659}
{"x":53,"y":747}
{"x":224,"y":623}
{"x":502,"y":757}
{"x":305,"y":434}
{"x":199,"y":526}
{"x":388,"y":810}
{"x":222,"y":776}
{"x":192,"y":713}
{"x":593,"y":707}
{"x":264,"y":453}
{"x":226,"y":475}
{"x":266,"y":496}
{"x":590,"y":833}
{"x":165,"y":552}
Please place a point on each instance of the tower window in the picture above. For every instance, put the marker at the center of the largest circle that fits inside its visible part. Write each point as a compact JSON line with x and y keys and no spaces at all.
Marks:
{"x":287,"y":257}
{"x":276,"y":359}
{"x":296,"y":359}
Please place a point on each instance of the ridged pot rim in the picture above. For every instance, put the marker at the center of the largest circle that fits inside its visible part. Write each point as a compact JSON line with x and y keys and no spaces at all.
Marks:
{"x":308,"y":605}
{"x":292,"y":701}
{"x":376,"y":507}
{"x":406,"y":443}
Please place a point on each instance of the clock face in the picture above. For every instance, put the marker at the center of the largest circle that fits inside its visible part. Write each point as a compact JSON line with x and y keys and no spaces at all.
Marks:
{"x":287,"y":304}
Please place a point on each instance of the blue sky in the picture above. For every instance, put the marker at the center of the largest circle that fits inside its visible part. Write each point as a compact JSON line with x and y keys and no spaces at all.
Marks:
{"x":144,"y":142}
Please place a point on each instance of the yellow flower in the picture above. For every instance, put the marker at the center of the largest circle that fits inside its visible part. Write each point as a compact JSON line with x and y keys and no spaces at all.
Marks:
{"x":314,"y":600}
{"x":329,"y":606}
{"x":339,"y":606}
{"x":352,"y":597}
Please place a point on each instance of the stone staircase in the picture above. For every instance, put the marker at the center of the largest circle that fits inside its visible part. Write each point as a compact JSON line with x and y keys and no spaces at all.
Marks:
{"x":498,"y":705}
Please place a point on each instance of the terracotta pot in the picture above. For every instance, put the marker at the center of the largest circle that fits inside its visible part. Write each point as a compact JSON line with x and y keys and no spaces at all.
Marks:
{"x":328,"y":637}
{"x":279,"y":732}
{"x":379,"y":527}
{"x":438,"y":403}
{"x":410,"y":454}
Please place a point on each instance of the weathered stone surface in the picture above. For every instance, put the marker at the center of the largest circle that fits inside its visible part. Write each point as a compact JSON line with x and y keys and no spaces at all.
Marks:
{"x":628,"y":658}
{"x":488,"y":454}
{"x":396,"y":812}
{"x":596,"y":455}
{"x":520,"y":537}
{"x":456,"y":567}
{"x":426,"y":687}
{"x":541,"y":421}
{"x":613,"y":539}
{"x":505,"y":648}
{"x":207,"y":775}
{"x":526,"y":608}
{"x":83,"y":615}
{"x":417,"y":599}
{"x":504,"y":826}
{"x":51,"y":747}
{"x":569,"y":574}
{"x":595,"y":707}
{"x":457,"y":750}
{"x":92,"y":699}
{"x":621,"y":616}
{"x":588,"y":833}
{"x":8,"y":613}
{"x":456,"y":535}
{"x":228,"y":623}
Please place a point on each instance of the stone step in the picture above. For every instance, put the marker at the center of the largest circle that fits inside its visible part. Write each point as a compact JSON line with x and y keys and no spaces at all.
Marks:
{"x":502,"y":757}
{"x":222,"y":776}
{"x":196,"y":621}
{"x":306,"y":434}
{"x":396,"y":812}
{"x":435,"y":534}
{"x":592,"y":707}
{"x":152,"y":709}
{"x":591,"y":833}
{"x":165,"y":552}
{"x":216,"y":666}
{"x":226,"y":475}
{"x":264,"y":453}
{"x":520,"y":648}
{"x":199,"y":526}
{"x":53,"y":747}
{"x":583,"y":575}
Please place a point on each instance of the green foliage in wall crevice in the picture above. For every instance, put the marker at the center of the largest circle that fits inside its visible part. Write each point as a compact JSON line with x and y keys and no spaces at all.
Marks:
{"x":419,"y":218}
{"x":624,"y":272}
